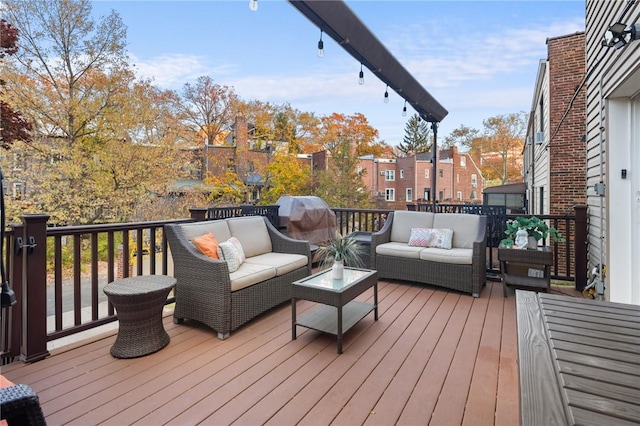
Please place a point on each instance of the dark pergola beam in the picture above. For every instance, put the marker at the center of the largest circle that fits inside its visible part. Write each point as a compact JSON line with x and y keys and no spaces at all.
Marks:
{"x":341,"y":24}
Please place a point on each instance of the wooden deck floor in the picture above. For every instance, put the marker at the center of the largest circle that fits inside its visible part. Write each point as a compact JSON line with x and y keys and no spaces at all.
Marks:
{"x":433,"y":357}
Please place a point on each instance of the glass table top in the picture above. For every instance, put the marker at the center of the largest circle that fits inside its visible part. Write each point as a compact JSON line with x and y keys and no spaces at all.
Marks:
{"x":324,"y":280}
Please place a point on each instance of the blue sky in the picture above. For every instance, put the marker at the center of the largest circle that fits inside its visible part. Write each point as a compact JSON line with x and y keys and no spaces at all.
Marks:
{"x":478,"y":59}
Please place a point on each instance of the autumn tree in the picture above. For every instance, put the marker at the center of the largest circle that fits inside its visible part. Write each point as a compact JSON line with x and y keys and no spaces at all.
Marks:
{"x":463,"y":136}
{"x":285,"y":176}
{"x":336,"y":129}
{"x":417,"y":137}
{"x":208,"y":108}
{"x":13,"y":126}
{"x":102,"y":148}
{"x":499,"y":148}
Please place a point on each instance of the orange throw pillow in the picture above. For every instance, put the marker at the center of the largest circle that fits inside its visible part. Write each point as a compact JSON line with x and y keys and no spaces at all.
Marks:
{"x":207,"y":244}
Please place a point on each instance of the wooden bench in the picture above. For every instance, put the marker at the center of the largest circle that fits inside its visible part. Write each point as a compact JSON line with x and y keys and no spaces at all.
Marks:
{"x":578,"y":360}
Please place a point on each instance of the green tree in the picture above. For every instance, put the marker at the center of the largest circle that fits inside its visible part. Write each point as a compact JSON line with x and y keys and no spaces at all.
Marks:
{"x":341,"y":185}
{"x":417,"y":138}
{"x":286,"y":176}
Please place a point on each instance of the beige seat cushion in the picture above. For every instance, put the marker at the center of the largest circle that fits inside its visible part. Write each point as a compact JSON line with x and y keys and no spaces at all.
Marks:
{"x":458,"y":256}
{"x":249,"y":274}
{"x":404,"y":220}
{"x":252,"y":233}
{"x":465,"y":227}
{"x":218,"y":228}
{"x":399,"y":250}
{"x":282,"y":262}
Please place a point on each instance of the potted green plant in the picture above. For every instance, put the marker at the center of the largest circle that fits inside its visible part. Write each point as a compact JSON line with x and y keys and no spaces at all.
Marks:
{"x":535,"y":227}
{"x":340,"y":251}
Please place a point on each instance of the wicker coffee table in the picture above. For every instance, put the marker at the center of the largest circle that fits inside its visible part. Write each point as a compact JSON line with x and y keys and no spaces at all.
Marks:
{"x":340,"y":312}
{"x":139,"y":302}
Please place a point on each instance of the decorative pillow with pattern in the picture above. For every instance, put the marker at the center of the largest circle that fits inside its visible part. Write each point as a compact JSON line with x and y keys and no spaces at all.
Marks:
{"x":428,"y":237}
{"x":228,"y":251}
{"x":207,"y":244}
{"x":442,"y":238}
{"x":420,"y":237}
{"x":238,"y":246}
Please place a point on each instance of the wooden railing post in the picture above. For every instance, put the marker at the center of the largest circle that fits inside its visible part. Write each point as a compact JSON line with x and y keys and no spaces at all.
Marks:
{"x":15,"y":278}
{"x":198,"y":213}
{"x":34,"y":288}
{"x":580,"y":246}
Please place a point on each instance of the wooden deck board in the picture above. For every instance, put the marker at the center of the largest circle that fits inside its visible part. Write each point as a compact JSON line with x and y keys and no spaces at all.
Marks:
{"x":433,"y":357}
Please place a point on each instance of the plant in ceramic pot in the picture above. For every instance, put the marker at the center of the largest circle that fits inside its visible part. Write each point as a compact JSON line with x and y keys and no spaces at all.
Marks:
{"x":341,"y":251}
{"x":535,"y":227}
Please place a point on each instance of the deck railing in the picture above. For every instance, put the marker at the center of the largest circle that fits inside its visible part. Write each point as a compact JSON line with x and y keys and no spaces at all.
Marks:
{"x":58,"y":273}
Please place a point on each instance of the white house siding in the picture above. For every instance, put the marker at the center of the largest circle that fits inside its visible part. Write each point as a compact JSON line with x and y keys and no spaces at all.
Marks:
{"x":613,"y":144}
{"x":536,"y":156}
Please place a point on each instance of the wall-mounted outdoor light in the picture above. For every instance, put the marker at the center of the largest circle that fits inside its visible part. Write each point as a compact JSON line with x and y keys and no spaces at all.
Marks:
{"x":619,"y":35}
{"x":320,"y":46}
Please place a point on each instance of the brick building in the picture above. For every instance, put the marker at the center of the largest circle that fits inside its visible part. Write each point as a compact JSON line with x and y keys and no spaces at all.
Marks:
{"x":555,"y":150}
{"x":395,"y":182}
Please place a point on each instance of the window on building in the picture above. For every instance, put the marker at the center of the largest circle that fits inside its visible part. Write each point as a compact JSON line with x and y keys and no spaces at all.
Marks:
{"x":440,"y":173}
{"x":426,"y":173}
{"x":457,"y":177}
{"x":441,"y":195}
{"x":459,"y":195}
{"x":401,"y":173}
{"x":18,"y":190}
{"x":474,"y":181}
{"x":389,"y":175}
{"x":390,"y":194}
{"x":463,"y":161}
{"x":473,"y":195}
{"x":541,"y":115}
{"x":409,"y":194}
{"x":427,"y":194}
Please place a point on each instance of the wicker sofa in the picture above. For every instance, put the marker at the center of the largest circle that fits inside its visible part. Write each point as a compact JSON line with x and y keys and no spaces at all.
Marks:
{"x":205,"y":289}
{"x":462,"y":267}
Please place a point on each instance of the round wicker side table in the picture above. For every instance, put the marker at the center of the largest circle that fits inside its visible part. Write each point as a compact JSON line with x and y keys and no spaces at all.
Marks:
{"x":139,"y":302}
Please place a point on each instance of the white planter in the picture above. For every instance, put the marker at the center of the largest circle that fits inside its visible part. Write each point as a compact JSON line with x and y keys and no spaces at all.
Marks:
{"x":533,"y":243}
{"x":337,"y":270}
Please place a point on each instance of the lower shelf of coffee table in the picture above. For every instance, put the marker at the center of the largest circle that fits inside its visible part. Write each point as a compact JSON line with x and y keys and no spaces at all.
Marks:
{"x":325,"y":318}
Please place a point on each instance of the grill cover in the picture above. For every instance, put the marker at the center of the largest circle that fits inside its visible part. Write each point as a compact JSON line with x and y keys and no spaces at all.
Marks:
{"x":307,"y":218}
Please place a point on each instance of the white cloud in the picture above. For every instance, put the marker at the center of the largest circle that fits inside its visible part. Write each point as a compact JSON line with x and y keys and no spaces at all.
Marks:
{"x":172,"y":71}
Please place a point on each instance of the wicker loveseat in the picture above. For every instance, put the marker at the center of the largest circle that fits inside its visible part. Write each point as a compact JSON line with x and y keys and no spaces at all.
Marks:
{"x":462,"y":267}
{"x":205,"y":289}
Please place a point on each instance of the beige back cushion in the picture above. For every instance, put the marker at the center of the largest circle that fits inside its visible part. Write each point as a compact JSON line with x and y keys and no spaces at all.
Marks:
{"x":218,"y":228}
{"x":404,"y":220}
{"x":252,"y":233}
{"x":465,"y":227}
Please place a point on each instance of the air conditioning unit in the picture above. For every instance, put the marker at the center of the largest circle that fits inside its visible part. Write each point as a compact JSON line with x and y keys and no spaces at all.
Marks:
{"x":382,"y":173}
{"x":539,"y":138}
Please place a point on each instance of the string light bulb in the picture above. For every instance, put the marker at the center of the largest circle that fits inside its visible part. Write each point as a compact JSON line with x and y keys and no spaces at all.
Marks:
{"x":404,"y":109}
{"x":361,"y":76}
{"x":253,"y":5}
{"x":386,"y":95}
{"x":320,"y":46}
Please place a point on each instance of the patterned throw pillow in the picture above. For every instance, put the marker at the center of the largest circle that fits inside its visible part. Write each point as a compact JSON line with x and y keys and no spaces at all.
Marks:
{"x":427,"y":237}
{"x":238,"y":246}
{"x":207,"y":244}
{"x":229,"y":252}
{"x":420,"y":237}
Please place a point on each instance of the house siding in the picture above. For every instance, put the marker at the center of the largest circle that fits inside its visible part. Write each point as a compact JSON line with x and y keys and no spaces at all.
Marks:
{"x":614,"y":222}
